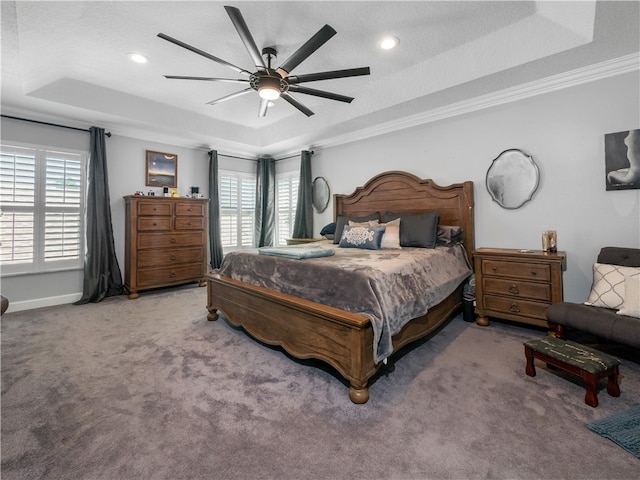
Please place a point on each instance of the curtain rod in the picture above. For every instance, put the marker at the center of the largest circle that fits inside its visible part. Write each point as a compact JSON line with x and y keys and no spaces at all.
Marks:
{"x":108,"y":134}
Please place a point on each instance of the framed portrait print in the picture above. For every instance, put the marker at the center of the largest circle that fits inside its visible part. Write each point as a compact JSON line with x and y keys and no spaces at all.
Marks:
{"x":622,"y":160}
{"x":162,"y":169}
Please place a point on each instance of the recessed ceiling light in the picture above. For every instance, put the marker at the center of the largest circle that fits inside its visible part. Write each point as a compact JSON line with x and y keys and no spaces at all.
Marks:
{"x":389,"y":42}
{"x":137,"y":57}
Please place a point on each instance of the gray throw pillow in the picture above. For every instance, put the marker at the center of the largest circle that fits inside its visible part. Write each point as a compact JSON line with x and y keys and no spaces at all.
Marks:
{"x":362,"y":237}
{"x":416,"y":230}
{"x":342,"y":221}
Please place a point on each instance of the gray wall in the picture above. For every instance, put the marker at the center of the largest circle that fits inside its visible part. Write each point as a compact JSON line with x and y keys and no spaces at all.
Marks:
{"x":563,"y":131}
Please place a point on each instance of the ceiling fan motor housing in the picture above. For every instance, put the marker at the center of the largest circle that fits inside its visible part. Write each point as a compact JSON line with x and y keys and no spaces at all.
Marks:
{"x":268,"y":79}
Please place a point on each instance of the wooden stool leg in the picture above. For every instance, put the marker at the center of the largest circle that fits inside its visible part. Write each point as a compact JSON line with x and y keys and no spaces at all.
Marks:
{"x":613,"y":388}
{"x":531,"y":368}
{"x":591,"y":397}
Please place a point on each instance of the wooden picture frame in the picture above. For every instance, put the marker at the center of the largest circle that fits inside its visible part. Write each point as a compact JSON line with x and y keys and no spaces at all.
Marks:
{"x":161,"y":169}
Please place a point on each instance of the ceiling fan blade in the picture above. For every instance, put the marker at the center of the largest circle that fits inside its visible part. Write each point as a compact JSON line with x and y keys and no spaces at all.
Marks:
{"x":229,"y":97}
{"x":245,"y":35}
{"x":207,"y":79}
{"x":203,"y":53}
{"x":311,"y":45}
{"x":296,"y":104}
{"x":312,"y":77}
{"x":320,"y":93}
{"x":264,"y":106}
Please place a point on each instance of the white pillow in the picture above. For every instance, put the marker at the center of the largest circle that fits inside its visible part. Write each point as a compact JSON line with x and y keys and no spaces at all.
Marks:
{"x":607,"y":289}
{"x":631,"y":305}
{"x":391,"y":237}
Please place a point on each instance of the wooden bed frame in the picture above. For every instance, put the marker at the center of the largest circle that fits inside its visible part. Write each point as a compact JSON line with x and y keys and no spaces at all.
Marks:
{"x":342,"y":339}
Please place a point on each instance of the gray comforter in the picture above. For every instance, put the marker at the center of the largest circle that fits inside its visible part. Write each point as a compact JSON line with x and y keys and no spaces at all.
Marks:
{"x":390,"y":287}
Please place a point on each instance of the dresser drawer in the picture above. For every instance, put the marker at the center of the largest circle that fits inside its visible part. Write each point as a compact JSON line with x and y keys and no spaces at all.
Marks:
{"x":515,"y":306}
{"x":164,"y":240}
{"x":190,"y":209}
{"x":189,"y":223}
{"x":170,"y":256}
{"x":154,"y":223}
{"x":517,"y":288}
{"x":168,"y":275}
{"x":154,"y":208}
{"x":522,"y":270}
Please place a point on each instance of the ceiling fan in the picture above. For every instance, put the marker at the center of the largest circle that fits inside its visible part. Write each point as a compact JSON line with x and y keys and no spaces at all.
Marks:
{"x":272,"y":83}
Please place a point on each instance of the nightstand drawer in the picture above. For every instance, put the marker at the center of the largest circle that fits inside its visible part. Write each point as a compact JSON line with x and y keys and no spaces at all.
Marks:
{"x":516,"y":288}
{"x":522,"y":270}
{"x":515,"y":306}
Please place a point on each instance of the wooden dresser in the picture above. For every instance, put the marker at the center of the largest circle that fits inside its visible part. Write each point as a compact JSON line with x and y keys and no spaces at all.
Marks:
{"x":517,"y":285}
{"x":165,"y":242}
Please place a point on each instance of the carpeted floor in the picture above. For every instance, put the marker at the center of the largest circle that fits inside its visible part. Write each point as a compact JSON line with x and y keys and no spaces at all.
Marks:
{"x":149,"y":389}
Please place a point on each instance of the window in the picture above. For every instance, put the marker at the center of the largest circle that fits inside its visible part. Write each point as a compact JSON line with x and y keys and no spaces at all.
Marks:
{"x":42,"y":202}
{"x":237,"y":209}
{"x":286,"y":201}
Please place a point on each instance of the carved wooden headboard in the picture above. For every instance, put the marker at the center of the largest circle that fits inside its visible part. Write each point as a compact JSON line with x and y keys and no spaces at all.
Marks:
{"x":402,"y":192}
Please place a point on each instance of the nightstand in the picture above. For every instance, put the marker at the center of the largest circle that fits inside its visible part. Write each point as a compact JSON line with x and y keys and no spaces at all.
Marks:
{"x":517,"y":285}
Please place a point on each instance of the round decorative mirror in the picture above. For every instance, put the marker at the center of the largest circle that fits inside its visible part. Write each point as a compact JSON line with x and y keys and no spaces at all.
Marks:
{"x":320,"y":194}
{"x":512,"y":178}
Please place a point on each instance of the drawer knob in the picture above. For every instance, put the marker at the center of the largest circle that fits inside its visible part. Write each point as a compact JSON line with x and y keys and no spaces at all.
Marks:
{"x":495,"y":269}
{"x":190,"y":209}
{"x":534,"y":273}
{"x":155,"y":224}
{"x":514,"y":308}
{"x":514,"y":289}
{"x":172,"y":274}
{"x":173,"y":257}
{"x":173,"y":240}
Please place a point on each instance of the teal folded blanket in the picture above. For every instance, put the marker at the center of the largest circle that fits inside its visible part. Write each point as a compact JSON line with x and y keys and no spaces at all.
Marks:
{"x":298,"y":252}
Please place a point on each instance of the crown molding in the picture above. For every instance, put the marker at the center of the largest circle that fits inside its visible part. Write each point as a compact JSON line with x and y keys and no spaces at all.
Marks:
{"x":610,"y":68}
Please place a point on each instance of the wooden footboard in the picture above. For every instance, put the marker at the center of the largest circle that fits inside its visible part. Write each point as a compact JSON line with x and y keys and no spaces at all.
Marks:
{"x":307,"y":329}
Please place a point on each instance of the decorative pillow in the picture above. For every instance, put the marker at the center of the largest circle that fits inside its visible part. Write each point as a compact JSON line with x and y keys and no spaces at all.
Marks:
{"x":631,"y":305}
{"x":448,"y":234}
{"x":608,"y":289}
{"x":416,"y":230}
{"x":328,"y":229}
{"x":370,"y":223}
{"x":362,"y":237}
{"x":391,"y":237}
{"x":341,"y":221}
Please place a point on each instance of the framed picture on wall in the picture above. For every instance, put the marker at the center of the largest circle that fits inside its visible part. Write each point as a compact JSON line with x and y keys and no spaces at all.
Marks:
{"x":622,"y":160}
{"x":162,"y":169}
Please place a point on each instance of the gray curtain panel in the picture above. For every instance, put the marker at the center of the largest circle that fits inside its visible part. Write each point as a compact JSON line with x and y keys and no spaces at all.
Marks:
{"x":265,"y":202}
{"x":102,"y":276}
{"x":215,"y":241}
{"x":303,"y":223}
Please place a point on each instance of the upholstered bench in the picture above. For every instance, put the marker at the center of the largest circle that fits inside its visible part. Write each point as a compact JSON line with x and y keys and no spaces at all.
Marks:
{"x":576,"y":359}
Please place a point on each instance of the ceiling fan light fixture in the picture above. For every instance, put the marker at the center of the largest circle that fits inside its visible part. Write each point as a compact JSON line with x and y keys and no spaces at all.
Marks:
{"x":269,"y":87}
{"x":269,"y":93}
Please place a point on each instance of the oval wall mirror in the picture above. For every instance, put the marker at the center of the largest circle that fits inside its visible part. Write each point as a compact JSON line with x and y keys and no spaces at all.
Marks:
{"x":512,"y":178}
{"x":320,"y":194}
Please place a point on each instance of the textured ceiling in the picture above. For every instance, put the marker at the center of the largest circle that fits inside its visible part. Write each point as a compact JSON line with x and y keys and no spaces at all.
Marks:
{"x":67,"y":60}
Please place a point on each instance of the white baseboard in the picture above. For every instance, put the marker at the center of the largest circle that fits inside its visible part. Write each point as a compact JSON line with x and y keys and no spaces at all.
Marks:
{"x":43,"y":302}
